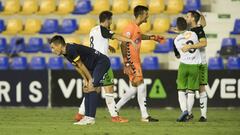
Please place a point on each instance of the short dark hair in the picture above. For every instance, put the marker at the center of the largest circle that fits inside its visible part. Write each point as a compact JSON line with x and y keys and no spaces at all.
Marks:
{"x":138,"y":10}
{"x":195,"y":15}
{"x":181,"y":23}
{"x":57,"y":39}
{"x":105,"y":15}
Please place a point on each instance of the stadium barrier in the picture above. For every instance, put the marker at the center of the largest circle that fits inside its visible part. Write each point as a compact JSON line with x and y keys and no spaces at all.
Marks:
{"x":58,"y":88}
{"x":24,"y":88}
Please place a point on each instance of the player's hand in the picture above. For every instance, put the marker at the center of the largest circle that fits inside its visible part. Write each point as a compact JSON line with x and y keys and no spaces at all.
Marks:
{"x":111,"y":49}
{"x":174,"y":29}
{"x":158,"y":38}
{"x":90,"y":84}
{"x":186,"y":48}
{"x":87,"y":85}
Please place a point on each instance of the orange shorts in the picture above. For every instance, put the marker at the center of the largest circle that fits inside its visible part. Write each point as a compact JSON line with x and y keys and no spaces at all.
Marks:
{"x":136,"y":75}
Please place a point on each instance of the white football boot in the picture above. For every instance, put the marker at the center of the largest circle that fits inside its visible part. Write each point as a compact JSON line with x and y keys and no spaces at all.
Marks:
{"x":85,"y":121}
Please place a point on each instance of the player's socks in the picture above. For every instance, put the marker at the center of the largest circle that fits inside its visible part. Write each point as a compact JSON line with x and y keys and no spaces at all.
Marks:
{"x":126,"y":96}
{"x":182,"y":98}
{"x":203,"y":104}
{"x":109,"y":99}
{"x":86,"y":103}
{"x":81,"y":109}
{"x":142,"y":100}
{"x":190,"y":101}
{"x":93,"y":101}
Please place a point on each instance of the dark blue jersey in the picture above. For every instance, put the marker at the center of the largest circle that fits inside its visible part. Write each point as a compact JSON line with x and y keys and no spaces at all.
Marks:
{"x":87,"y":55}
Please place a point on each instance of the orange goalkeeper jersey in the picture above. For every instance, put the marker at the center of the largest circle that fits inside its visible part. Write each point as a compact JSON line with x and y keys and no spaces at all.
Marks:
{"x":133,"y":31}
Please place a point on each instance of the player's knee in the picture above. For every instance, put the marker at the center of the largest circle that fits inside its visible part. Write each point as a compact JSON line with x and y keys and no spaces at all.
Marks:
{"x":202,"y":88}
{"x":108,"y":89}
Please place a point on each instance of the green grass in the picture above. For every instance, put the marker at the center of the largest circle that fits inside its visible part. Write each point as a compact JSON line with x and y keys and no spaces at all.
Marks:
{"x":59,"y":121}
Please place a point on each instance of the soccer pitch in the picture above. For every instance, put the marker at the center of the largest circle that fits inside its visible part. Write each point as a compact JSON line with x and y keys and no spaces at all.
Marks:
{"x":59,"y":121}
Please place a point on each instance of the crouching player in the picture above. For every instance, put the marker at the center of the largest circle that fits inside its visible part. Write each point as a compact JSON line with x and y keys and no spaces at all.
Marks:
{"x":91,"y":65}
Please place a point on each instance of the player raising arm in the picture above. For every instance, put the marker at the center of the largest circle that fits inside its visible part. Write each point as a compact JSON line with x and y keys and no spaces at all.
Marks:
{"x":132,"y":62}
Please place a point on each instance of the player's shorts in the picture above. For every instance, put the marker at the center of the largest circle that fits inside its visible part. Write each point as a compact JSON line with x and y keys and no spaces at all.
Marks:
{"x":188,"y":77}
{"x":101,"y":68}
{"x":203,"y":74}
{"x":136,"y":75}
{"x":108,"y":78}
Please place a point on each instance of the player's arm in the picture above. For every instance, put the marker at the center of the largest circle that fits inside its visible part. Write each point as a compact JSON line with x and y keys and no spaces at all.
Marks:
{"x":111,"y":49}
{"x":157,"y":38}
{"x":145,"y":37}
{"x":127,"y":32}
{"x":87,"y":78}
{"x":124,"y":51}
{"x":81,"y":73}
{"x":123,"y":39}
{"x":202,"y":43}
{"x":81,"y":68}
{"x":176,"y":52}
{"x":202,"y":20}
{"x":174,"y":29}
{"x":106,"y":33}
{"x":201,"y":38}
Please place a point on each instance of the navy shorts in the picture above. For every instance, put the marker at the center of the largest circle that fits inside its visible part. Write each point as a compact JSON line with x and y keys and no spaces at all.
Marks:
{"x":102,"y":66}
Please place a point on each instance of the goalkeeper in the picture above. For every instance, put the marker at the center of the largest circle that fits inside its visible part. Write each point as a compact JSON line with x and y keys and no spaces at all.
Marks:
{"x":132,"y":62}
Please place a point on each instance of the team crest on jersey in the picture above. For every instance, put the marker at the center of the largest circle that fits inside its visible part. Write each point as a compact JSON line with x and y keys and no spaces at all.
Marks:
{"x":128,"y":34}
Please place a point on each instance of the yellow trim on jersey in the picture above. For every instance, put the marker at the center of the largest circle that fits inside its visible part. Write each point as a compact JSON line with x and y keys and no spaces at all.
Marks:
{"x":74,"y":63}
{"x":76,"y":59}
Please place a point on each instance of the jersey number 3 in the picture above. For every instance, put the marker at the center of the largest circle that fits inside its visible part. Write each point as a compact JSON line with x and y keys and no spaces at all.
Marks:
{"x":190,"y":42}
